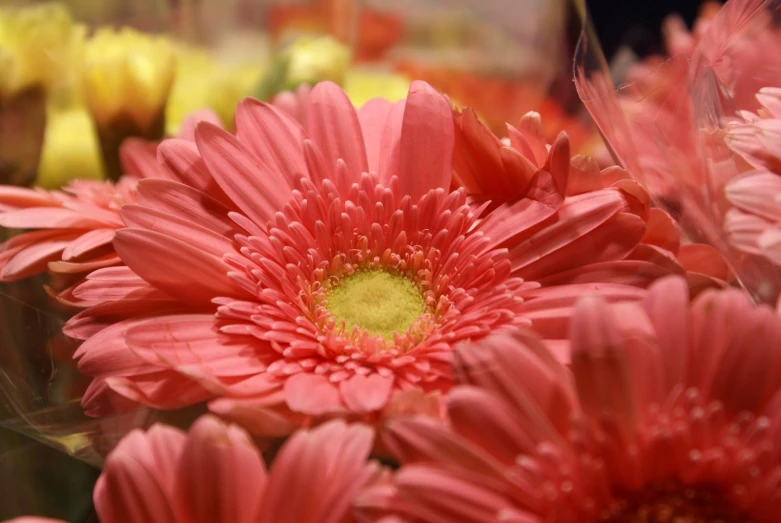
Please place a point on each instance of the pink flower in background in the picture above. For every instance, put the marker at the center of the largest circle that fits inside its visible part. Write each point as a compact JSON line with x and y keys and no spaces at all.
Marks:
{"x":754,"y":224}
{"x":214,"y":474}
{"x":671,"y":411}
{"x":75,"y":226}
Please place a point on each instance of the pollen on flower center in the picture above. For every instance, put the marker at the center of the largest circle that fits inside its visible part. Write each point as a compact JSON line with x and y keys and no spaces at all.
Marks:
{"x":377,"y":302}
{"x":673,"y":503}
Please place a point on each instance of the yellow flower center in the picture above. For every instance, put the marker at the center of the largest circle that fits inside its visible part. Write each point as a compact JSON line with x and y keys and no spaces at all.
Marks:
{"x":377,"y":302}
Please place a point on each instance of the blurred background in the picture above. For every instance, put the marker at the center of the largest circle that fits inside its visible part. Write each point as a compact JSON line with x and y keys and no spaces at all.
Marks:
{"x":503,"y":57}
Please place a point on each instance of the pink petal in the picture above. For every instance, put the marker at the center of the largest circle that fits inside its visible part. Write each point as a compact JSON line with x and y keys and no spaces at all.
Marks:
{"x":373,"y":115}
{"x":363,"y":394}
{"x":312,"y":394}
{"x":273,"y":137}
{"x":139,"y":158}
{"x":137,"y":480}
{"x":221,"y":476}
{"x":332,"y":461}
{"x":174,"y":266}
{"x":33,"y":259}
{"x":186,"y":202}
{"x":191,"y":121}
{"x":257,"y":191}
{"x":192,"y":339}
{"x":667,"y":305}
{"x":178,"y":227}
{"x":600,"y":364}
{"x":390,"y":141}
{"x":426,"y":143}
{"x":440,"y":496}
{"x":88,"y":241}
{"x":47,"y":218}
{"x":182,"y":162}
{"x":334,"y":128}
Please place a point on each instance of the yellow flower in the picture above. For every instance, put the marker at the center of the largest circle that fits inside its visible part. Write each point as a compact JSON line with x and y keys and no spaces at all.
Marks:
{"x":315,"y":59}
{"x":127,"y":76}
{"x":307,"y":60}
{"x":70,"y":149}
{"x":361,"y":85}
{"x":202,"y":81}
{"x":37,"y":47}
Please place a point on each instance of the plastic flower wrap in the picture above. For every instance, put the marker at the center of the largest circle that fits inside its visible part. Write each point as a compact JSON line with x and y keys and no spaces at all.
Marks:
{"x":695,"y":129}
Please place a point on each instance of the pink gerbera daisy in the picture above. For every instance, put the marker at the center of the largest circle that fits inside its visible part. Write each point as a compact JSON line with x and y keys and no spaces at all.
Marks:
{"x":214,"y":474}
{"x":349,"y":271}
{"x":75,"y":226}
{"x":754,"y":224}
{"x":670,"y":411}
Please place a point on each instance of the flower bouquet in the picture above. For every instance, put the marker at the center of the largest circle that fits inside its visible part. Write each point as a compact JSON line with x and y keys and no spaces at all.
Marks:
{"x":349,"y":304}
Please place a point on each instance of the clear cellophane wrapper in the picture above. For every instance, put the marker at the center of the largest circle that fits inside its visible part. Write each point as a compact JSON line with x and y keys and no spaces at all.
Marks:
{"x":502,"y":58}
{"x":665,"y":120}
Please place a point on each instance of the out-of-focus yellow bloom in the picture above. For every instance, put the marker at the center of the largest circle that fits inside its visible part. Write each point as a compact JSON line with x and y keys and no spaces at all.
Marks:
{"x":127,"y":75}
{"x":202,"y":81}
{"x":361,"y":85}
{"x":38,"y":46}
{"x":315,"y":59}
{"x":307,"y":60}
{"x":70,"y":149}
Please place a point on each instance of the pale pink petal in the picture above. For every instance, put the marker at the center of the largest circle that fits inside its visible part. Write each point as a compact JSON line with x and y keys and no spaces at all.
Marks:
{"x":191,"y":121}
{"x":373,"y":115}
{"x":47,"y":218}
{"x":362,"y":394}
{"x":602,"y":372}
{"x":88,"y":241}
{"x":667,"y":305}
{"x":137,"y":480}
{"x":221,"y":476}
{"x":390,"y":143}
{"x":186,"y":202}
{"x":182,"y":162}
{"x":139,"y":158}
{"x":312,"y":394}
{"x":273,"y":137}
{"x":192,"y":339}
{"x":178,"y":227}
{"x":426,"y":143}
{"x":331,"y":460}
{"x":159,"y":260}
{"x":439,"y":496}
{"x":257,"y":191}
{"x":334,"y":127}
{"x":34,"y":258}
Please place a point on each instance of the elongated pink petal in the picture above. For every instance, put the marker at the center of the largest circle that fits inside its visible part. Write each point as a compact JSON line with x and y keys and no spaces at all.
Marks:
{"x":426,"y":143}
{"x":331,"y":460}
{"x":192,"y":339}
{"x":312,"y":394}
{"x":138,"y":478}
{"x":334,"y":127}
{"x":178,"y":227}
{"x":139,"y":158}
{"x":182,"y":162}
{"x":88,"y":241}
{"x":47,"y":217}
{"x":34,"y":258}
{"x":186,"y":202}
{"x":257,"y":191}
{"x":158,"y":259}
{"x":372,"y":116}
{"x":273,"y":137}
{"x":221,"y":476}
{"x":366,"y":393}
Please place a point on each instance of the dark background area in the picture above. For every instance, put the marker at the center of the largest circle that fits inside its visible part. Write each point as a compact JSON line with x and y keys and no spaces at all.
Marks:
{"x":636,"y":23}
